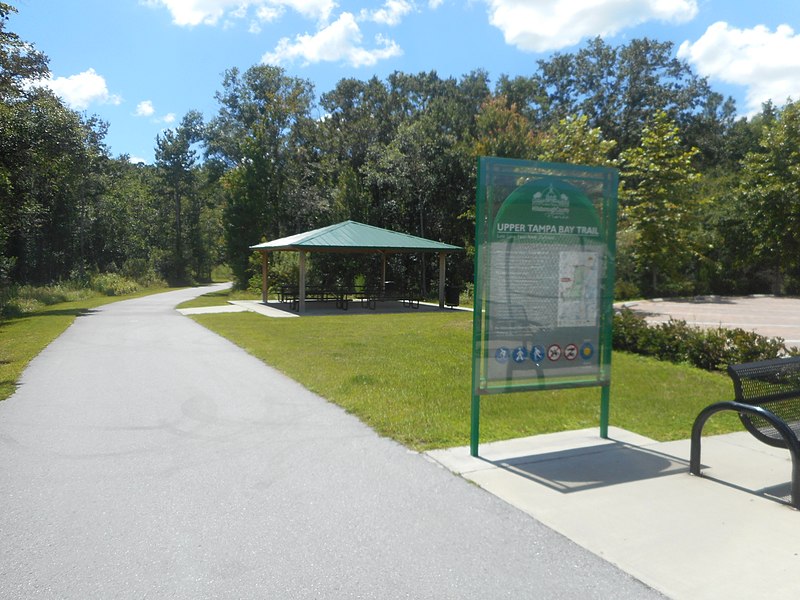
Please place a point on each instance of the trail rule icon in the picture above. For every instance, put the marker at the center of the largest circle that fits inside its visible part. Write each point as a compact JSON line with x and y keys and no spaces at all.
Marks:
{"x":554,"y":352}
{"x":537,"y":354}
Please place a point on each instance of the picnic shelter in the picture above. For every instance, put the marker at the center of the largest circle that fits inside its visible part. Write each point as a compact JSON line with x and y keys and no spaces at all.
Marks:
{"x":350,"y":237}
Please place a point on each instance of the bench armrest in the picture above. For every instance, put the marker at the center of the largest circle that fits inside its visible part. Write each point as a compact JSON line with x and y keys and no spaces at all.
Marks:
{"x":779,"y":424}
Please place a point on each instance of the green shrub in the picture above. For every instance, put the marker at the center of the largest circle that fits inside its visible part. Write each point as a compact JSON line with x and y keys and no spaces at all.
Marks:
{"x":284,"y":270}
{"x":142,"y":271}
{"x":7,"y":294}
{"x":750,"y":346}
{"x":709,"y":349}
{"x":254,"y":284}
{"x":113,"y":284}
{"x":625,"y":290}
{"x":24,"y":299}
{"x":630,"y":331}
{"x":222,"y":273}
{"x":676,"y":341}
{"x":467,"y":296}
{"x":668,"y":341}
{"x":15,"y":307}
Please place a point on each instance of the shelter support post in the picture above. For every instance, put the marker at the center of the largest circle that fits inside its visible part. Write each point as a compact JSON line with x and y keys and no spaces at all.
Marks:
{"x":442,"y":258}
{"x":302,"y":287}
{"x":383,"y":273}
{"x":264,"y":274}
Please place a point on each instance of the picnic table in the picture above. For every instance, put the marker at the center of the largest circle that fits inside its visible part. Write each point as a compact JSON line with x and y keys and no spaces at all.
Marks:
{"x":368,"y":297}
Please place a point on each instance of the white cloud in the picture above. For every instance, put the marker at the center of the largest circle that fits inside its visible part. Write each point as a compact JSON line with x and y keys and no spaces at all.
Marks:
{"x":391,"y":13}
{"x":311,"y":9}
{"x":434,"y":4}
{"x":264,"y":14}
{"x":195,"y":12}
{"x":81,"y":90}
{"x":766,"y":62}
{"x":240,"y":12}
{"x":188,"y":13}
{"x":144,"y":109}
{"x":553,"y":24}
{"x":267,"y":14}
{"x":341,"y":41}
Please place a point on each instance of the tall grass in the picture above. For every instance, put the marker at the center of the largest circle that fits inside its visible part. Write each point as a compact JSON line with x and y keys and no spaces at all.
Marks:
{"x":26,"y":299}
{"x":17,"y":300}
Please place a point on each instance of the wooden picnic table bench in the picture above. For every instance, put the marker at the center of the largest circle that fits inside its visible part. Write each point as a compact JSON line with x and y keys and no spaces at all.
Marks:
{"x":370,"y":298}
{"x":767,"y":400}
{"x":323,"y":294}
{"x":342,"y":296}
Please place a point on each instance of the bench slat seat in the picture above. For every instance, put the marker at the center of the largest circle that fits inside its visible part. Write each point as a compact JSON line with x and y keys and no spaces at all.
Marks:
{"x":764,"y":431}
{"x":775,"y":385}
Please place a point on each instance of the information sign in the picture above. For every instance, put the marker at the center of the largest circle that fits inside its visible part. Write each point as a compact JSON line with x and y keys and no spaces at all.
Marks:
{"x":544,"y":274}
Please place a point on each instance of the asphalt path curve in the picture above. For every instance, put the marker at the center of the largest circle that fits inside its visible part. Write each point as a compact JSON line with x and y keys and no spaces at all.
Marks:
{"x":143,"y":456}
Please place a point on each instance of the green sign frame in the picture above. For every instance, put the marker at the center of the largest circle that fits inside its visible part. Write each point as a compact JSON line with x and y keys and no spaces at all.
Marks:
{"x":545,"y":248}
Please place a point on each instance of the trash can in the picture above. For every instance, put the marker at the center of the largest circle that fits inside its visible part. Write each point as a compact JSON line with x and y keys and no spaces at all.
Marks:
{"x":451,"y":295}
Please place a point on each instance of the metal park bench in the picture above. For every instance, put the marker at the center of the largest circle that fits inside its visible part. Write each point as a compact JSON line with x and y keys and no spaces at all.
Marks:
{"x":768,"y":404}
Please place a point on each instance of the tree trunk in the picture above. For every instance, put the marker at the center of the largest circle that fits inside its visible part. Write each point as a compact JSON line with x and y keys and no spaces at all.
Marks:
{"x":179,"y":274}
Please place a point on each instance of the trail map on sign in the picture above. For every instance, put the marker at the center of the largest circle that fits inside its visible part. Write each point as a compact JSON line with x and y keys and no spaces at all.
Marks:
{"x":579,"y":274}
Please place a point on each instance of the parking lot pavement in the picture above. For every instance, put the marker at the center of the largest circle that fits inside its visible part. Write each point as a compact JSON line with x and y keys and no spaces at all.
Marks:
{"x":767,"y":315}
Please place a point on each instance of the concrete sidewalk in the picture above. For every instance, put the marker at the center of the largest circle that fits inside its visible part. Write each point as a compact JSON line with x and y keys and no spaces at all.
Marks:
{"x":236,"y":306}
{"x":630,"y":500}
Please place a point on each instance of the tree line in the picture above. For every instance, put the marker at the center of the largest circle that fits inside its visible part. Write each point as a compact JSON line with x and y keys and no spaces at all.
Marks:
{"x":709,"y":202}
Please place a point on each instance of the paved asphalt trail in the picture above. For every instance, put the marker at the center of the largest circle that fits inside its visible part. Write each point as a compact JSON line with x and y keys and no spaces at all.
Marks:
{"x":145,"y":457}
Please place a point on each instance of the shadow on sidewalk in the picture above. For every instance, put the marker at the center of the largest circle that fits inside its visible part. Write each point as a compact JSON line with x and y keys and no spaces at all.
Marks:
{"x":582,"y":469}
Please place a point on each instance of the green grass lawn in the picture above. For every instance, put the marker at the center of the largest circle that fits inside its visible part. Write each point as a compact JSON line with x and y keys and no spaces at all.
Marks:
{"x":23,"y":337}
{"x":408,"y":377}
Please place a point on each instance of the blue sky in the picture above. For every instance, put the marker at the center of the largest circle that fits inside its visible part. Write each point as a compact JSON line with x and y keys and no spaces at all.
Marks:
{"x":141,"y":65}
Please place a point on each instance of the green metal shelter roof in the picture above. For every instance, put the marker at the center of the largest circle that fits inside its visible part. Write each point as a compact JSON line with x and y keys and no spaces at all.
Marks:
{"x":350,"y":236}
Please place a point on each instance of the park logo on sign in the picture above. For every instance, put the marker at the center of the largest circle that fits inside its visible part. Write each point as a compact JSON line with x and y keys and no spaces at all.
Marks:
{"x":551,"y":204}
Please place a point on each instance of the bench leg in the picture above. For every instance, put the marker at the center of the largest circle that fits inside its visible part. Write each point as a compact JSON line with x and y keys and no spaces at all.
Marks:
{"x":792,"y":443}
{"x":795,"y":482}
{"x":697,"y":433}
